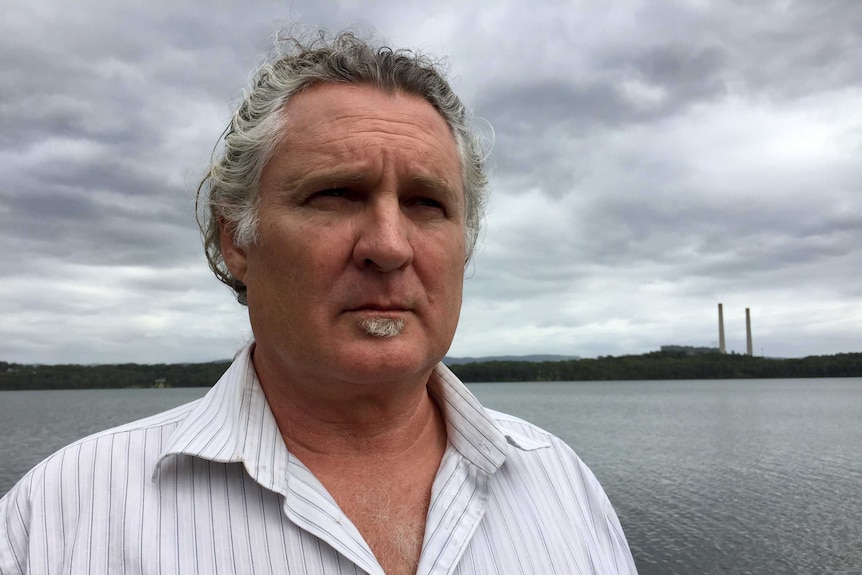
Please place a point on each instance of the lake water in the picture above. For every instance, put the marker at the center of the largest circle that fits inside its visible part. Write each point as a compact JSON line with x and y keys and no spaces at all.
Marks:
{"x":740,"y":476}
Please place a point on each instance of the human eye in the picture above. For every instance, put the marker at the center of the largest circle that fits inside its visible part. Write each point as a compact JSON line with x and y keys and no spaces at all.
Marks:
{"x":431,"y":197}
{"x":429,"y":203}
{"x":426,"y":207}
{"x":331,"y":198}
{"x":333,"y":193}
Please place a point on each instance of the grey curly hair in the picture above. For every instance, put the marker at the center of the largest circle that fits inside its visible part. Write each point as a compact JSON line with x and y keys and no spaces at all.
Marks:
{"x":228,"y":193}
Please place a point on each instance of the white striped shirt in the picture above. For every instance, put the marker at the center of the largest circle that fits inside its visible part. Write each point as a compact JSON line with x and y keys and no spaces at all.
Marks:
{"x":209,"y":487}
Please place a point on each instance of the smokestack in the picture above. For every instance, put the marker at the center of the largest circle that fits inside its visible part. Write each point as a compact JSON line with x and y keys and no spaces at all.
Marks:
{"x":721,"y":348}
{"x":748,"y":331}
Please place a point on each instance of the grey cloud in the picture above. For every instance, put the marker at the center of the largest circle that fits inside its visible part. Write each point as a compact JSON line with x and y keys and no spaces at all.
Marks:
{"x":79,"y":229}
{"x":815,"y":46}
{"x":109,"y":110}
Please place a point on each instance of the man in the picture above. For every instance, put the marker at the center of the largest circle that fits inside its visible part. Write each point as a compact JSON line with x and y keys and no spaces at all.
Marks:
{"x":342,"y":211}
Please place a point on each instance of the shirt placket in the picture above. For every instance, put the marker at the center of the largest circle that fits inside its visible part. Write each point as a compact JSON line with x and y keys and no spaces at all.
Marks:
{"x":458,"y":502}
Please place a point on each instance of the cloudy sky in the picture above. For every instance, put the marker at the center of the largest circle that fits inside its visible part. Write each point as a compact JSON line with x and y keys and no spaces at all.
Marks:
{"x":650,"y":160}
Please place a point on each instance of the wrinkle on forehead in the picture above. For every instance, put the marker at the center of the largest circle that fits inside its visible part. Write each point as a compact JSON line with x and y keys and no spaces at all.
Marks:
{"x":293,"y":123}
{"x":333,"y":140}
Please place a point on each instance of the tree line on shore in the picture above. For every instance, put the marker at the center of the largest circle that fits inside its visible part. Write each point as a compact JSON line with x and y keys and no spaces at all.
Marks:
{"x":18,"y":377}
{"x":661,"y":365}
{"x":664,"y":365}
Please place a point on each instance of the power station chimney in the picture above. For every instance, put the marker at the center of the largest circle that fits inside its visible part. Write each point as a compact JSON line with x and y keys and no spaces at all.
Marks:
{"x":748,"y":331}
{"x":721,"y":348}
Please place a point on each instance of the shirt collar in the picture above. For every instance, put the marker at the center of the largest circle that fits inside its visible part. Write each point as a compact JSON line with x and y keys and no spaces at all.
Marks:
{"x":470,"y":427}
{"x":233,"y":423}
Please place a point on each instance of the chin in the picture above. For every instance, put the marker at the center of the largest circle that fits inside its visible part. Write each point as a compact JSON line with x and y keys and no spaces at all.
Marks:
{"x":388,"y":359}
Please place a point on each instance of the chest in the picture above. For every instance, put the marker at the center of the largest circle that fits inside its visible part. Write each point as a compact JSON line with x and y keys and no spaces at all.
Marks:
{"x":213,"y":518}
{"x":389,"y":510}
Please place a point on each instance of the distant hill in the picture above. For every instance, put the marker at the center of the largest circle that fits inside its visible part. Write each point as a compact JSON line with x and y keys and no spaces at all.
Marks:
{"x":533,"y":358}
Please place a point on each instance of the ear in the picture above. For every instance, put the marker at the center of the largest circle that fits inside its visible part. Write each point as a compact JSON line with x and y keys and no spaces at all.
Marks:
{"x":235,"y":257}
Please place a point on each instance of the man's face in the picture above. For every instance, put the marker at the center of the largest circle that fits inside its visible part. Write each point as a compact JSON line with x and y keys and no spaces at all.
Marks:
{"x":361,"y":218}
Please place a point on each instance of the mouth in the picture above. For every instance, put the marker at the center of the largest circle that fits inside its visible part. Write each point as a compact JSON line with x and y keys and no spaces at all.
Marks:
{"x":381,"y":309}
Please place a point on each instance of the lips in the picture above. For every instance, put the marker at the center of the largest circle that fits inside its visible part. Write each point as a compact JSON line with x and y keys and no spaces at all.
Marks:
{"x":380,"y":307}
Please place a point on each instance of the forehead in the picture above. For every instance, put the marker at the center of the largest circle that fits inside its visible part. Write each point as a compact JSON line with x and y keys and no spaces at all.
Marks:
{"x":330,"y":101}
{"x":341,"y":120}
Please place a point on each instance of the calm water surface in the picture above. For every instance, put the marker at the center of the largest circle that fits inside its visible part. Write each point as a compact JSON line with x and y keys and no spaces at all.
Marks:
{"x":741,"y":476}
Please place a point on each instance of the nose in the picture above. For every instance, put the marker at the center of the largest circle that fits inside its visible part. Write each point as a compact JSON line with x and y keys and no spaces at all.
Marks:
{"x":383,"y":242}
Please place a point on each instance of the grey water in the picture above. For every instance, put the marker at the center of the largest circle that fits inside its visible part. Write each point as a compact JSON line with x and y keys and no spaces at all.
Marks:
{"x":736,"y":476}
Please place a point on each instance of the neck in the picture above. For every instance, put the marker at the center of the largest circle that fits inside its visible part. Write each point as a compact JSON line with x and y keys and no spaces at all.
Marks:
{"x":324,"y":419}
{"x":374,"y":446}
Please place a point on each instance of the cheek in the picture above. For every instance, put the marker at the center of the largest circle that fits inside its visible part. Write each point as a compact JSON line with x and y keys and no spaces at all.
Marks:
{"x":448,"y":278}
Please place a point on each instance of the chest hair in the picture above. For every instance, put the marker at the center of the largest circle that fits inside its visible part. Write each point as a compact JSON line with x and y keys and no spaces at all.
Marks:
{"x":389,"y":510}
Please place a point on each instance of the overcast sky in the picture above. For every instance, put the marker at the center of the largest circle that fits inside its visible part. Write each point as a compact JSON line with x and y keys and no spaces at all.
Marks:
{"x":650,"y":160}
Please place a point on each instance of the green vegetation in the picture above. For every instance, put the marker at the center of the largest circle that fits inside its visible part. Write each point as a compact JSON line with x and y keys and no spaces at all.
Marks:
{"x":654,"y":365}
{"x":16,"y":376}
{"x":664,"y":365}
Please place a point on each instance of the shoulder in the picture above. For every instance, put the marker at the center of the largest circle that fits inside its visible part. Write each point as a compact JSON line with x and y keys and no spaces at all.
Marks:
{"x":551,"y":464}
{"x":508,"y":422}
{"x":544,"y":482}
{"x":59,"y":494}
{"x":131,"y":435}
{"x":530,"y":437}
{"x":129,"y":444}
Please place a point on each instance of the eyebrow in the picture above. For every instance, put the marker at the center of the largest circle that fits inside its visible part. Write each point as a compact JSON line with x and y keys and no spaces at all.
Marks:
{"x":324,"y":180}
{"x":335,"y":178}
{"x":435,"y":184}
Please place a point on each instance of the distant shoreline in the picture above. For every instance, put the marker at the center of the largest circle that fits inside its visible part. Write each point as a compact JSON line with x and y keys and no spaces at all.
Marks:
{"x":662,"y":365}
